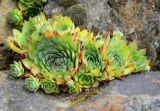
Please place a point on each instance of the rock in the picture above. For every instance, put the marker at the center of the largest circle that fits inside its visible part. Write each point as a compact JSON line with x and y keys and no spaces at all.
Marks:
{"x":77,"y":14}
{"x":52,"y":8}
{"x":67,"y":3}
{"x":5,"y":30}
{"x":138,"y":92}
{"x":157,"y":6}
{"x":138,"y":20}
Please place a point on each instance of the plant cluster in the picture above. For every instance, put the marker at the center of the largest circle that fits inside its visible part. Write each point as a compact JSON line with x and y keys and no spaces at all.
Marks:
{"x":59,"y":57}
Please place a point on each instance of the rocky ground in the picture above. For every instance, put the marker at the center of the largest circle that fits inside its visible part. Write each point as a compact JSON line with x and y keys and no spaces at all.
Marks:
{"x":140,"y":92}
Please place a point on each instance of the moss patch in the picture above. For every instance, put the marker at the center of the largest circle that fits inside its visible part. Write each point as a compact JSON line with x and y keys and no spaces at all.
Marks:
{"x":77,"y":14}
{"x":67,"y":3}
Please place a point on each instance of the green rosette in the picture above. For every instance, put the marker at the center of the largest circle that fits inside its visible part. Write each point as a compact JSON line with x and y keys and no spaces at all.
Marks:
{"x":17,"y":69}
{"x":14,"y":17}
{"x":49,"y":86}
{"x":56,"y":54}
{"x":139,"y":59}
{"x":117,"y":54}
{"x":32,"y":83}
{"x":73,"y":87}
{"x":87,"y":78}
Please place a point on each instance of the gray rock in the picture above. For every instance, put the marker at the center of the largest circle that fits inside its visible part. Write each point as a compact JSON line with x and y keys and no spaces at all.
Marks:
{"x":5,"y":7}
{"x":77,"y":13}
{"x":140,"y":92}
{"x":52,"y":8}
{"x":5,"y":31}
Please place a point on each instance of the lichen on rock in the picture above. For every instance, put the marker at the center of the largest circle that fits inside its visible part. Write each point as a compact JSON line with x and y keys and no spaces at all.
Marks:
{"x":77,"y":14}
{"x":67,"y":3}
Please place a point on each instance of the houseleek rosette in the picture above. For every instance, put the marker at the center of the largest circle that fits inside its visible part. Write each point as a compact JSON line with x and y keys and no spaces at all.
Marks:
{"x":49,"y":86}
{"x":139,"y":60}
{"x":17,"y":69}
{"x":87,"y":78}
{"x":14,"y":17}
{"x":93,"y":58}
{"x":56,"y":54}
{"x":59,"y":24}
{"x":90,"y":51}
{"x":116,"y":55}
{"x":32,"y":83}
{"x":73,"y":87}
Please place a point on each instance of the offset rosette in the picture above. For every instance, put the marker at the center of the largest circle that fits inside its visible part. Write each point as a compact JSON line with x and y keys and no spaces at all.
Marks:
{"x":87,"y":78}
{"x":58,"y":25}
{"x":139,"y":60}
{"x":116,"y":55}
{"x":49,"y":86}
{"x":14,"y":17}
{"x":90,"y":51}
{"x":17,"y":69}
{"x":32,"y":83}
{"x":91,"y":57}
{"x":73,"y":87}
{"x":62,"y":24}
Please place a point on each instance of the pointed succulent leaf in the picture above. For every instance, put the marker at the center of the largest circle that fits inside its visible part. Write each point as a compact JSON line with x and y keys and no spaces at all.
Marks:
{"x":11,"y":44}
{"x":99,"y":40}
{"x":29,"y":64}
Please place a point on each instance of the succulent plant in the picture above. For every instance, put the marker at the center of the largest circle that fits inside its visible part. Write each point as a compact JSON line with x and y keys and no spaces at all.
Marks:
{"x":25,"y":4}
{"x":32,"y":83}
{"x":85,"y":79}
{"x":61,"y":57}
{"x":49,"y":86}
{"x":139,"y":60}
{"x":17,"y":69}
{"x":14,"y":17}
{"x":31,"y":8}
{"x":73,"y":87}
{"x":117,"y":54}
